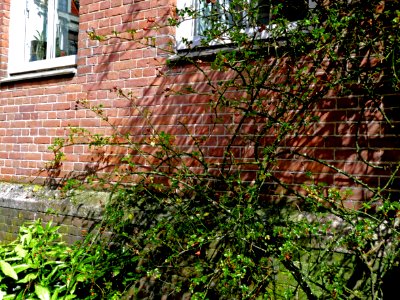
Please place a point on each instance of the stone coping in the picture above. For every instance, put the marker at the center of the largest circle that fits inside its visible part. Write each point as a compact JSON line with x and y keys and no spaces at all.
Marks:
{"x":37,"y":198}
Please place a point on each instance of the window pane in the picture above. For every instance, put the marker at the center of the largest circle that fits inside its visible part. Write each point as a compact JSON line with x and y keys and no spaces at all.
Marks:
{"x":292,"y":10}
{"x":67,"y":27}
{"x":264,"y":11}
{"x":51,"y":28}
{"x":36,"y":29}
{"x":217,"y":12}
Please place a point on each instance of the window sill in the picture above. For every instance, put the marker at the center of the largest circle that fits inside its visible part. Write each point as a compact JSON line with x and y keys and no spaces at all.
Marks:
{"x":199,"y":52}
{"x":209,"y":53}
{"x":39,"y":75}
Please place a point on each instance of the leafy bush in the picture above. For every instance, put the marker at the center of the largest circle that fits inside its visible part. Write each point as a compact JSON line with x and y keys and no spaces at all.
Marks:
{"x":38,"y":265}
{"x":187,"y":225}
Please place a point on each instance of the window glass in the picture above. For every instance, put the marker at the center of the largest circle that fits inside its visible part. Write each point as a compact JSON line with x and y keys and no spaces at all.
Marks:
{"x":211,"y":12}
{"x":36,"y":29}
{"x":67,"y":27}
{"x":292,"y":10}
{"x":51,"y":28}
{"x":219,"y":11}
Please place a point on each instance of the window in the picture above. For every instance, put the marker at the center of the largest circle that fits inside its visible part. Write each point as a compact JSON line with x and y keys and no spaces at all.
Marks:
{"x":191,"y":29}
{"x":43,"y":35}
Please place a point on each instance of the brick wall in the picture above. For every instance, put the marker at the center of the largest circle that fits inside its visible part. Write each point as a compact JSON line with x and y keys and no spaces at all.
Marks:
{"x":34,"y":112}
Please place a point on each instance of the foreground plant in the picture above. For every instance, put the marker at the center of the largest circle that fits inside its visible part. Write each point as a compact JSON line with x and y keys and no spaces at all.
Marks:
{"x":189,"y":225}
{"x":39,"y":265}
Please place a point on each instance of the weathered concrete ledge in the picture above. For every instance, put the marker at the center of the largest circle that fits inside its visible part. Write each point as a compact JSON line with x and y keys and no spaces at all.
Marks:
{"x":84,"y":204}
{"x":75,"y":212}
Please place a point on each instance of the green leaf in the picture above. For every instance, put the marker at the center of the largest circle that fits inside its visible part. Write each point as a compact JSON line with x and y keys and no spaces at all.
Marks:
{"x":55,"y":295}
{"x":81,"y":278}
{"x":20,"y":268}
{"x":28,"y":277}
{"x":42,"y":292}
{"x":26,"y":238}
{"x":55,"y":271}
{"x":22,"y":296}
{"x":8,"y":269}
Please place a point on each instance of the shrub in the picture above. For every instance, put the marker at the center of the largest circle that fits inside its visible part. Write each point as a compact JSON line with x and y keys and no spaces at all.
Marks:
{"x":209,"y":232}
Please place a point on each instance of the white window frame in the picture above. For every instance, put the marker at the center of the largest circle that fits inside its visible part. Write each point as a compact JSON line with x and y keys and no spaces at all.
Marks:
{"x":17,"y":56}
{"x":185,"y":30}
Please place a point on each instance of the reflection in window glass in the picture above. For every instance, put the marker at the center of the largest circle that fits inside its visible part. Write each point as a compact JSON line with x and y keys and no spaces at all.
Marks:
{"x":67,"y":28}
{"x":211,"y":12}
{"x":36,"y":29}
{"x":51,"y":28}
{"x":292,"y":10}
{"x":218,"y":11}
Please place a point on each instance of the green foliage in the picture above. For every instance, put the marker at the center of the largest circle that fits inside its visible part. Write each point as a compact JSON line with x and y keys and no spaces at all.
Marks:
{"x":38,"y":265}
{"x":207,"y":232}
